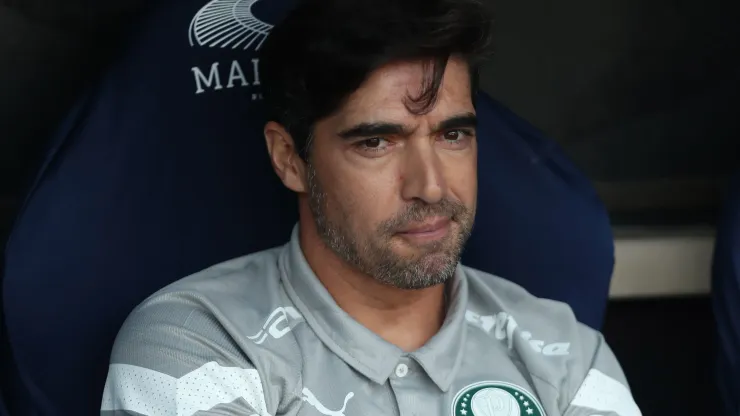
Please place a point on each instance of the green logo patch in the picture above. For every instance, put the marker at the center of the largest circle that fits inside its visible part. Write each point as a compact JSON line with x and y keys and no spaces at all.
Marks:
{"x":495,"y":398}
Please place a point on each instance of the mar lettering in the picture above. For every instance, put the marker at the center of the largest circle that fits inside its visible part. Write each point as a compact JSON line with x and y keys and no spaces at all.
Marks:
{"x":227,"y":75}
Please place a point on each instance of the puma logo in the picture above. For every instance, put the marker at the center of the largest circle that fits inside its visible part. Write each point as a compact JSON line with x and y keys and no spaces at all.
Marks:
{"x":311,"y":399}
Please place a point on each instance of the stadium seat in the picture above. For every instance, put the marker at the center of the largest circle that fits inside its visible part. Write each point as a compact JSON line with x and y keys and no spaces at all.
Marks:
{"x":161,"y":170}
{"x":3,"y":408}
{"x":726,"y":300}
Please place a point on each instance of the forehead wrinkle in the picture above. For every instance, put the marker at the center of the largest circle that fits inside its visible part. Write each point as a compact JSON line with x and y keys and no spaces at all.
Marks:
{"x":376,"y":111}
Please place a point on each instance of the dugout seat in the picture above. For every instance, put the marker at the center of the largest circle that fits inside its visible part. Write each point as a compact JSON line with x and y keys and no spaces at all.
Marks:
{"x":161,"y":170}
{"x":726,"y":299}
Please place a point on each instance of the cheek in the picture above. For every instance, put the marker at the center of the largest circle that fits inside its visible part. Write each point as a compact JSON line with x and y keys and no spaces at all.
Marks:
{"x":367,"y":198}
{"x":463,"y":178}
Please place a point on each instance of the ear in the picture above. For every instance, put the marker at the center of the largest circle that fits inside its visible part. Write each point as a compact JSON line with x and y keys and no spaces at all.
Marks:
{"x":285,"y":160}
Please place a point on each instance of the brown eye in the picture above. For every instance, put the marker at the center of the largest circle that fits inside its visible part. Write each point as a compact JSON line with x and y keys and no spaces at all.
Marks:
{"x":456,"y":139}
{"x":372,"y":142}
{"x":453,"y":135}
{"x":373,"y":145}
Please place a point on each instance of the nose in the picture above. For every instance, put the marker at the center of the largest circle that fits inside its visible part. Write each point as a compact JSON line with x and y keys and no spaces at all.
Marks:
{"x":423,"y":174}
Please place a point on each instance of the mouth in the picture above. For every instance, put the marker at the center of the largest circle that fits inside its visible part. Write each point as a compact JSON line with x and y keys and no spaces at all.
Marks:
{"x":432,"y":229}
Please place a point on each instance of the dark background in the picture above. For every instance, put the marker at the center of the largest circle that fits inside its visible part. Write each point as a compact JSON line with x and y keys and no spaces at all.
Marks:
{"x":643,"y":95}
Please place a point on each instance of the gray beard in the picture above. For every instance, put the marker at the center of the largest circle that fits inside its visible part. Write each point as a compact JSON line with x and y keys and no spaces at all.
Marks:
{"x":375,"y":256}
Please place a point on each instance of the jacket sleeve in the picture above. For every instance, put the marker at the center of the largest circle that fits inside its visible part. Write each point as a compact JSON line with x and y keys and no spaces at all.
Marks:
{"x":171,"y":358}
{"x":604,"y":390}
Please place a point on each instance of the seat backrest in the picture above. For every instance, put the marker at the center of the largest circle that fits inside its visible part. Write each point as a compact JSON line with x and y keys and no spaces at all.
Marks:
{"x":726,"y":299}
{"x":540,"y":223}
{"x":161,"y":171}
{"x":5,"y":370}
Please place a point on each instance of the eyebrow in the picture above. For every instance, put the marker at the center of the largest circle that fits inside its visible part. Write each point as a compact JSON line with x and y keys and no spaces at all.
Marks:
{"x":373,"y":129}
{"x":467,"y":120}
{"x":463,"y":121}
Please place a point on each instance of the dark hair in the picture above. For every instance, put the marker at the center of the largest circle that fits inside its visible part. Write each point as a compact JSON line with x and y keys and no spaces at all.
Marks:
{"x":325,"y":49}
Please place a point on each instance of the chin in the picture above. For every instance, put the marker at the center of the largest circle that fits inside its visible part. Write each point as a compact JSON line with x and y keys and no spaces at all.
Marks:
{"x":436,"y":250}
{"x":437,"y":262}
{"x":437,"y":253}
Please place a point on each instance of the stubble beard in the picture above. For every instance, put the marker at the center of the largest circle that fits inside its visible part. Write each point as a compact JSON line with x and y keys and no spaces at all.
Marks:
{"x":374,"y":256}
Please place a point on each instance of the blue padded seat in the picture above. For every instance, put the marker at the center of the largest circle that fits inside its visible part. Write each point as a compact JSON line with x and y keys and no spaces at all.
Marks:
{"x":726,"y":299}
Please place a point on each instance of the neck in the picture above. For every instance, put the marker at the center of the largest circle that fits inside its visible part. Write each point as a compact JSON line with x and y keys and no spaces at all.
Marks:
{"x":405,"y":318}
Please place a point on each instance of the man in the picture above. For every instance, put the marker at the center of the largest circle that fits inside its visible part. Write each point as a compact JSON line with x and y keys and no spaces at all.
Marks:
{"x":366,"y":311}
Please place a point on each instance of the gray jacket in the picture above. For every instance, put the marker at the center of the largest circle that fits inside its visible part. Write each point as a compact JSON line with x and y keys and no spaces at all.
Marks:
{"x":261,"y":336}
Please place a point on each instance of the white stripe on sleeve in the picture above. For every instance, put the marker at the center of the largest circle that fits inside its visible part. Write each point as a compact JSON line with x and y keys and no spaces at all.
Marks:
{"x":152,"y":393}
{"x":603,"y":393}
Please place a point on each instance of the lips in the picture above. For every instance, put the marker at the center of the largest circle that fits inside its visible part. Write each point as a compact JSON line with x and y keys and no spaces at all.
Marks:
{"x":431,"y":225}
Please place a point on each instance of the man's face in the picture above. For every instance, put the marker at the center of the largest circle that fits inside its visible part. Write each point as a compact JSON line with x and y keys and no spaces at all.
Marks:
{"x":393,"y":193}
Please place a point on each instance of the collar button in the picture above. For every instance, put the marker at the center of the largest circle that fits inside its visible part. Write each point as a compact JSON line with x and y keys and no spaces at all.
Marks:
{"x":402,"y":370}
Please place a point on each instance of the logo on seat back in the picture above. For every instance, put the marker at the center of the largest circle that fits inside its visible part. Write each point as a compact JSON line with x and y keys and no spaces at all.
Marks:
{"x":228,"y":25}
